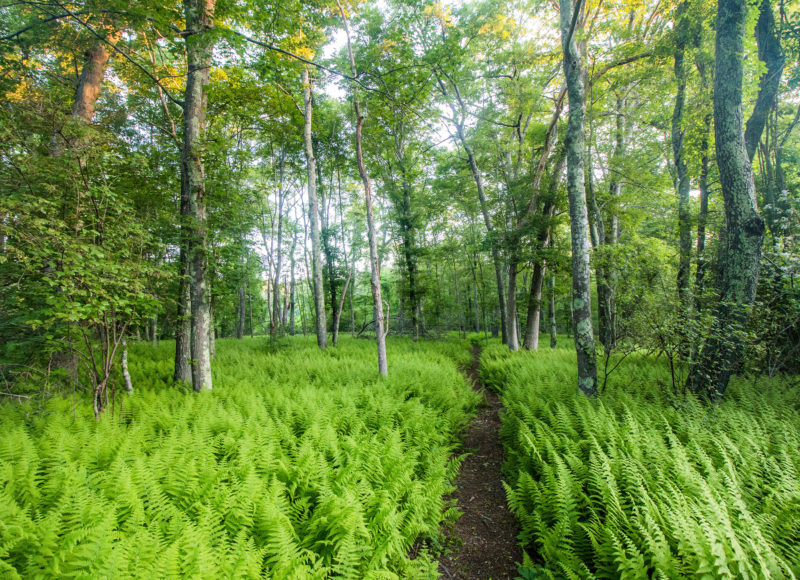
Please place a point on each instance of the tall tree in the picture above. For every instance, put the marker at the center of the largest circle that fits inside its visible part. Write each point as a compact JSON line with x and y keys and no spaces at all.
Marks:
{"x":374,"y":262}
{"x":571,"y":23}
{"x":739,"y":270}
{"x":313,"y":216}
{"x":199,"y":16}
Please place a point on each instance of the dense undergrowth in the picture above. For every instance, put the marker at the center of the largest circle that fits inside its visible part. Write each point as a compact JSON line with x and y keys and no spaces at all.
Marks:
{"x":644,"y":483}
{"x":300,"y":464}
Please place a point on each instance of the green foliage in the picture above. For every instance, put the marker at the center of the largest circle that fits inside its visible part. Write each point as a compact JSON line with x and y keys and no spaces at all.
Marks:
{"x":640,"y":484}
{"x":300,"y":464}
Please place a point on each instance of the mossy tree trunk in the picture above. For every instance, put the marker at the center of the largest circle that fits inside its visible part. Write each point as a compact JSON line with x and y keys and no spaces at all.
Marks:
{"x":723,"y":349}
{"x":579,"y":218}
{"x":199,"y":16}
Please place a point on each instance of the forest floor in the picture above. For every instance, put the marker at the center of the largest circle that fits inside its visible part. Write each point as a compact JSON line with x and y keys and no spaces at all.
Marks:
{"x":484,"y":538}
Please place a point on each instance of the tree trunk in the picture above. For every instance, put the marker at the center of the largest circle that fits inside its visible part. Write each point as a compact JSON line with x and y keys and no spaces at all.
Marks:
{"x":552,"y":314}
{"x":579,"y":219}
{"x":540,"y":267}
{"x":88,"y":90}
{"x":375,"y":276}
{"x":338,"y":314}
{"x":770,"y":52}
{"x":199,"y":47}
{"x":250,"y":312}
{"x":702,"y":216}
{"x":124,"y":364}
{"x":313,"y":215}
{"x":723,"y":349}
{"x":475,"y":297}
{"x":292,"y":288}
{"x":154,"y":329}
{"x":511,"y":304}
{"x":276,"y":284}
{"x":242,"y":313}
{"x":684,"y":184}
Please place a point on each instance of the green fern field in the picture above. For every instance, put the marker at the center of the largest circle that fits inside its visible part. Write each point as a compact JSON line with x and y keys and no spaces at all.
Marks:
{"x":643,"y":483}
{"x":300,"y":464}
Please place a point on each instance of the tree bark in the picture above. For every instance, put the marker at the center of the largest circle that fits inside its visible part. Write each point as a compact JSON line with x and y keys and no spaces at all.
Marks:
{"x":276,"y":284}
{"x":199,"y":16}
{"x":375,"y":276}
{"x":579,"y":218}
{"x":126,"y":375}
{"x":771,"y":53}
{"x":702,"y":216}
{"x":87,"y":92}
{"x":540,"y":267}
{"x":679,"y":156}
{"x":242,"y":313}
{"x":292,"y":287}
{"x":313,"y":215}
{"x":723,"y":349}
{"x":552,"y":314}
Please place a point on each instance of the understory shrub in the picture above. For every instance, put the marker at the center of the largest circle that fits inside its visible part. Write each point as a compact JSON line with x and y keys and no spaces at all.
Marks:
{"x":644,"y":483}
{"x":300,"y":464}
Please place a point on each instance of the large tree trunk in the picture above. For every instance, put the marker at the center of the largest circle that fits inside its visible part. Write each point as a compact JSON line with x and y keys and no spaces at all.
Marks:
{"x":512,"y":338}
{"x":375,"y":275}
{"x":723,"y":349}
{"x":579,"y":218}
{"x":313,"y":216}
{"x":199,"y":16}
{"x":679,"y":155}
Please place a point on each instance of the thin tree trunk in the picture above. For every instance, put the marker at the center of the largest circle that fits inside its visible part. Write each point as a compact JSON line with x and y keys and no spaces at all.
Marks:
{"x":250,"y":312}
{"x":183,"y":327}
{"x":475,"y":296}
{"x":579,"y":219}
{"x":684,"y":225}
{"x":124,"y":364}
{"x":242,"y":313}
{"x":199,"y":47}
{"x":552,"y":314}
{"x":375,"y":278}
{"x":292,"y":288}
{"x":154,"y":329}
{"x":338,"y":314}
{"x":313,"y":215}
{"x":702,"y":217}
{"x":723,"y":350}
{"x":540,"y":267}
{"x":276,"y":284}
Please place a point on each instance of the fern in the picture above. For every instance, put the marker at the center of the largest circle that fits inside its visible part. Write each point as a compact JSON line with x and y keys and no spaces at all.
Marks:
{"x":301,"y":464}
{"x":635,"y":485}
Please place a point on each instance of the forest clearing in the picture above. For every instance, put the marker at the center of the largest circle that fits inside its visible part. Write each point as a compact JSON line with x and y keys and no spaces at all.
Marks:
{"x":373,"y":289}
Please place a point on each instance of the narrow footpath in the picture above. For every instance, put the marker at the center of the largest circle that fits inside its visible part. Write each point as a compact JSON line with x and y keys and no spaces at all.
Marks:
{"x":485,"y":536}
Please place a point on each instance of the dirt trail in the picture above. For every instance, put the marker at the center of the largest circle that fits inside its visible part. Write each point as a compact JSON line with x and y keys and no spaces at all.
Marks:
{"x":486,"y":528}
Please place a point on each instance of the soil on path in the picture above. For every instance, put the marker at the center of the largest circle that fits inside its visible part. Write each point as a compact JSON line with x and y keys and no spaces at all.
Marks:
{"x":485,"y":537}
